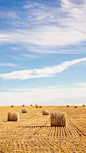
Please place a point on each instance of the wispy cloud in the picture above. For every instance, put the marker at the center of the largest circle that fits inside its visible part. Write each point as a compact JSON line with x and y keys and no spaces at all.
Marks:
{"x":15,"y":48}
{"x":8,"y":15}
{"x":7,"y":64}
{"x":30,"y":56}
{"x":39,"y":73}
{"x":33,"y":5}
{"x":13,"y":57}
{"x":45,"y":36}
{"x":56,"y":27}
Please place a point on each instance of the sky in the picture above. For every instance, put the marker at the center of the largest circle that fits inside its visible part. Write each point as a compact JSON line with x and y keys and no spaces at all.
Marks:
{"x":42,"y":52}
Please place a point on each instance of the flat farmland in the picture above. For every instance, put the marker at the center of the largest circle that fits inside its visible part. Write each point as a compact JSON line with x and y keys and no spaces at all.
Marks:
{"x":34,"y":134}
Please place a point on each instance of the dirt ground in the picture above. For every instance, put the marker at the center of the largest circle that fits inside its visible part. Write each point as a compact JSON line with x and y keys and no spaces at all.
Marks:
{"x":34,"y":134}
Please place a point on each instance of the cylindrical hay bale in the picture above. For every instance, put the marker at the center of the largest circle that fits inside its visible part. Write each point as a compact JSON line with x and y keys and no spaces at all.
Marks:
{"x":83,"y":105}
{"x":13,"y":116}
{"x":75,"y":106}
{"x":36,"y":106}
{"x":58,"y":119}
{"x":40,"y":106}
{"x":67,"y":105}
{"x":24,"y":110}
{"x":23,"y":105}
{"x":45,"y":112}
{"x":12,"y":105}
{"x":31,"y":105}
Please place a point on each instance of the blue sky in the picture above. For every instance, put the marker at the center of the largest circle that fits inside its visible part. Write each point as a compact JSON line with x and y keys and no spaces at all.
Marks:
{"x":42,"y":52}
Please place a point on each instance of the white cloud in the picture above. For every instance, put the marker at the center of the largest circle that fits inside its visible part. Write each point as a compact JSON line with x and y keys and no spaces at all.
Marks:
{"x":81,"y":84}
{"x":45,"y":36}
{"x":7,"y":64}
{"x":55,"y":27}
{"x":45,"y":96}
{"x":39,"y":73}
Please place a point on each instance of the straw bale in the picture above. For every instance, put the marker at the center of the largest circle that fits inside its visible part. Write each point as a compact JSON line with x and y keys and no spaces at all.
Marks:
{"x":24,"y":110}
{"x":45,"y":112}
{"x":13,"y":116}
{"x":75,"y":106}
{"x":40,"y":106}
{"x":12,"y":105}
{"x":67,"y":105}
{"x":58,"y":119}
{"x":31,"y":105}
{"x":83,"y":105}
{"x":36,"y":106}
{"x":23,"y":105}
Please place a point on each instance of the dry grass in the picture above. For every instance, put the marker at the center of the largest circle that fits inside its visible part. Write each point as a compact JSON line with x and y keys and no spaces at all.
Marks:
{"x":58,"y":119}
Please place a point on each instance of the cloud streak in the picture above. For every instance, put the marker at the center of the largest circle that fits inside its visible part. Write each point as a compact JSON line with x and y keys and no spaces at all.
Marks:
{"x":40,"y":73}
{"x":29,"y":56}
{"x":7,"y":64}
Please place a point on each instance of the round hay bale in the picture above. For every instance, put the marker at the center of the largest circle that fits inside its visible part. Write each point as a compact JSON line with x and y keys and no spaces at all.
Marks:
{"x":40,"y":106}
{"x":36,"y":106}
{"x":12,"y":105}
{"x":31,"y":105}
{"x":58,"y":119}
{"x":67,"y":105}
{"x":13,"y":116}
{"x":75,"y":106}
{"x":23,"y":105}
{"x":24,"y":110}
{"x":83,"y":105}
{"x":45,"y":112}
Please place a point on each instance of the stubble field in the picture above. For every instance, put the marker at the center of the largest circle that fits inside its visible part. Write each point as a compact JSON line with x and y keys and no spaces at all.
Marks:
{"x":34,"y":134}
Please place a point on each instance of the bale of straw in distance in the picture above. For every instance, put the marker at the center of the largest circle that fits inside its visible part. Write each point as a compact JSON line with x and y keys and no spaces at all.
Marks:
{"x":36,"y":106}
{"x":24,"y":110}
{"x":58,"y":119}
{"x":31,"y":105}
{"x":40,"y":106}
{"x":12,"y":105}
{"x":67,"y":105}
{"x":83,"y":105}
{"x":13,"y":116}
{"x":23,"y":105}
{"x":45,"y":112}
{"x":75,"y":106}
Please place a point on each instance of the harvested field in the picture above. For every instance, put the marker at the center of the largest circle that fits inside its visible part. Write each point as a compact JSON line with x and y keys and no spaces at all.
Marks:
{"x":33,"y":133}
